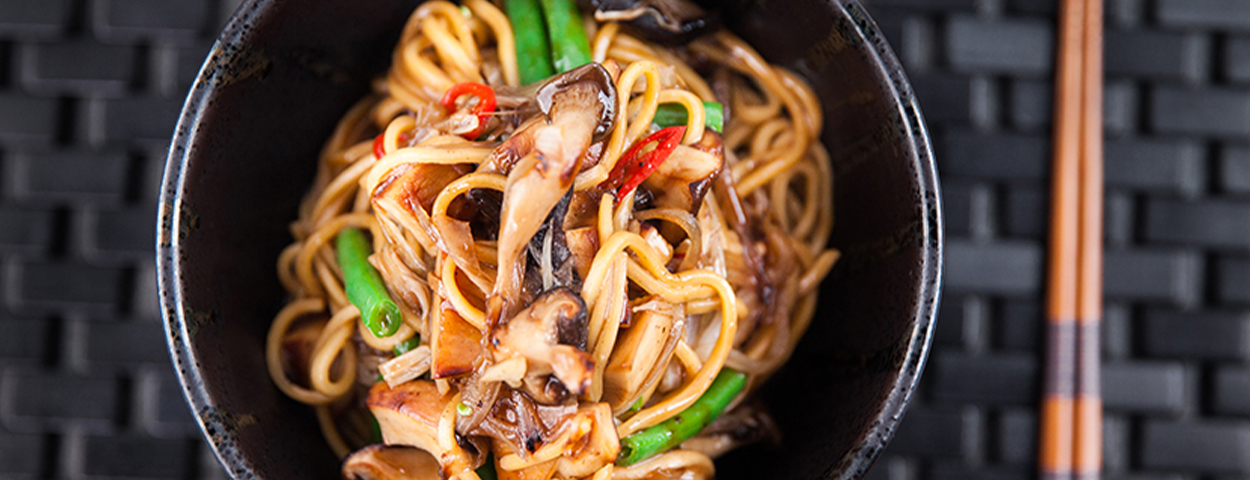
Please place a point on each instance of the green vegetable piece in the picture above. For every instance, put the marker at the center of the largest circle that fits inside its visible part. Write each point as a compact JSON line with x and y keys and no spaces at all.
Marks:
{"x":463,"y":409}
{"x":375,"y":430}
{"x":533,"y":53}
{"x":407,"y":345}
{"x":687,"y":424}
{"x":487,"y":470}
{"x":569,"y":46}
{"x":637,"y":405}
{"x":672,"y":114}
{"x":364,"y":285}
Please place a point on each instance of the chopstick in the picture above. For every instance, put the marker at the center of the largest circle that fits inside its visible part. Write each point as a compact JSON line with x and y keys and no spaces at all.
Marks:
{"x":1087,"y":450}
{"x":1055,"y":441}
{"x":1070,"y":433}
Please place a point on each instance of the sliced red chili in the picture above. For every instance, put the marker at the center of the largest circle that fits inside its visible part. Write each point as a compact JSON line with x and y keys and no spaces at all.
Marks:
{"x":643,"y":158}
{"x":485,"y":103}
{"x":379,"y":145}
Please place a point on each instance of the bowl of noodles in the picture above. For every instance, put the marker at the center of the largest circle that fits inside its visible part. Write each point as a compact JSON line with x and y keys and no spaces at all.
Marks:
{"x":547,"y":239}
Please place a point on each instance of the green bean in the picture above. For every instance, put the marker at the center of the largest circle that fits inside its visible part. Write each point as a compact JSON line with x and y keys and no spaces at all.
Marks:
{"x":670,"y":433}
{"x":407,"y":345}
{"x":533,"y":53}
{"x":569,"y":46}
{"x":364,"y":285}
{"x":673,"y":114}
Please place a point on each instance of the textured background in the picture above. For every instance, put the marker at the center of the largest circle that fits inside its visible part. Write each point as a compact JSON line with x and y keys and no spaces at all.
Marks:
{"x":90,"y":89}
{"x":89,"y":93}
{"x":1176,"y":337}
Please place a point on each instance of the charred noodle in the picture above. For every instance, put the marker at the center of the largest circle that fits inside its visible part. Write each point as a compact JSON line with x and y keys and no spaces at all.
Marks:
{"x":550,"y":254}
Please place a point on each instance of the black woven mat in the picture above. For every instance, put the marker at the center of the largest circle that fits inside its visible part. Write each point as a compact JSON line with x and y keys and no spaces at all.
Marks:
{"x":89,"y":93}
{"x":1177,"y":335}
{"x":90,"y":89}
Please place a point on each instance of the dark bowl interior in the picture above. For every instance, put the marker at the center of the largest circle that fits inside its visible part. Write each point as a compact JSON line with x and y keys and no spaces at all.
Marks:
{"x":283,"y":73}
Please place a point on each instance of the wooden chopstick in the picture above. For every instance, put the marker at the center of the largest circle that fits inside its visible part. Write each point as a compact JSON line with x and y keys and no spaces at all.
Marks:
{"x":1054,"y":458}
{"x":1087,"y":448}
{"x":1070,"y":430}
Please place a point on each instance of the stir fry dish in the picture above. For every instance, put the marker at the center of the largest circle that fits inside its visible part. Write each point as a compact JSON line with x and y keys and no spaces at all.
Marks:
{"x":556,"y":241}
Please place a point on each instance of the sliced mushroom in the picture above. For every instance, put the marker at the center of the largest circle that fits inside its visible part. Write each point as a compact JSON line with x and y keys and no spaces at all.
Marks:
{"x":520,"y":425}
{"x":409,"y":413}
{"x":591,"y":86}
{"x":591,"y":443}
{"x":455,"y":344}
{"x":485,"y":223}
{"x":514,"y":148}
{"x":549,"y":250}
{"x":576,"y":113}
{"x":406,"y":194}
{"x":457,"y":240}
{"x":666,"y":21}
{"x":686,"y":176}
{"x":510,"y":371}
{"x":544,"y":388}
{"x":542,"y":471}
{"x":585,"y":442}
{"x":584,"y":206}
{"x":583,"y":244}
{"x":387,"y":462}
{"x":590,"y":78}
{"x":640,"y":353}
{"x":551,"y":335}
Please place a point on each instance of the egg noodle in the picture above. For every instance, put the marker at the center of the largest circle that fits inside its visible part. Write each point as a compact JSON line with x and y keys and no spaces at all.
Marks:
{"x":728,"y":279}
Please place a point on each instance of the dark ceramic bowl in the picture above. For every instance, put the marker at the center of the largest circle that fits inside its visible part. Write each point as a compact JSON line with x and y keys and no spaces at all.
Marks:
{"x":284,"y":72}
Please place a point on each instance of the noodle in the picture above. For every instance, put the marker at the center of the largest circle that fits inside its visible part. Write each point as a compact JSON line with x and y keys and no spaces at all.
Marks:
{"x":475,"y":240}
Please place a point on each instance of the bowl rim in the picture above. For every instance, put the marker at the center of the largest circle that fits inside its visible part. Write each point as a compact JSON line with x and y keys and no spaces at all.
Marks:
{"x":882,"y":58}
{"x":170,"y":222}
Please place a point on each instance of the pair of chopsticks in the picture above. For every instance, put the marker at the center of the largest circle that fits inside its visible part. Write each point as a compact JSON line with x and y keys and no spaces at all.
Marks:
{"x":1070,"y":437}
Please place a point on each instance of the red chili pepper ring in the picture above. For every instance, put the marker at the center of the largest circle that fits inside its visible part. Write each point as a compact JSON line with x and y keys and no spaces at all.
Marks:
{"x":644,"y":157}
{"x":379,"y":145}
{"x":485,"y":103}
